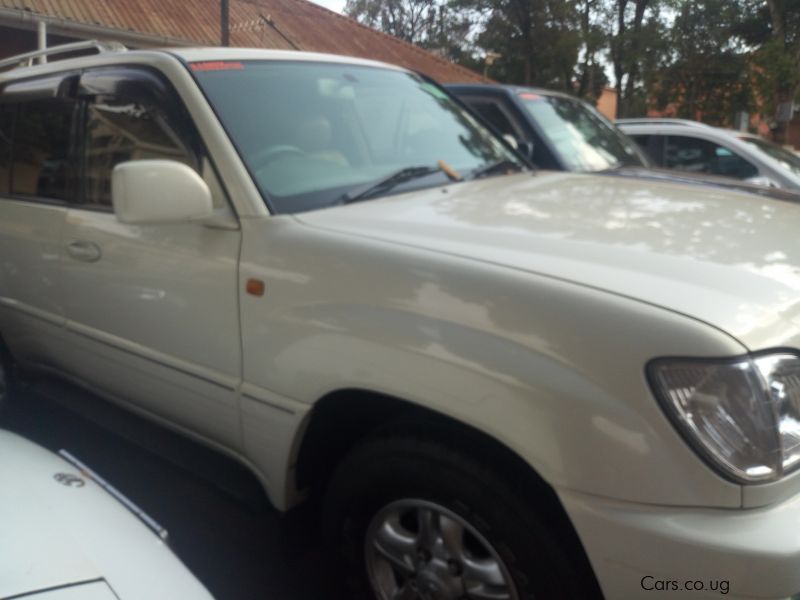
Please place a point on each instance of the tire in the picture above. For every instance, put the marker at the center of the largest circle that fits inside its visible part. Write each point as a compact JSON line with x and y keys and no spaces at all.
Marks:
{"x":481,"y":537}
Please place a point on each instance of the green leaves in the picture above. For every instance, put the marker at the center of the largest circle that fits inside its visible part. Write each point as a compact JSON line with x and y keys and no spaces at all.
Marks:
{"x":706,"y":58}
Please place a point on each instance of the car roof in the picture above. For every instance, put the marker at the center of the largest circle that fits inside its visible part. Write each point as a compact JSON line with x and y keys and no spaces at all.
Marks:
{"x":674,"y":127}
{"x":652,"y":121}
{"x":198,"y":54}
{"x":509,"y":89}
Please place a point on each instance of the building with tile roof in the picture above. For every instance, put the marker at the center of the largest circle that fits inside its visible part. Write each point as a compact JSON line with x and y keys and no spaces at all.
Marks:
{"x":280,"y":24}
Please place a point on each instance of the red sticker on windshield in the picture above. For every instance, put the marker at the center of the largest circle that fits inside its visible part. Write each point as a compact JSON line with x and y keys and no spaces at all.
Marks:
{"x":217,"y":65}
{"x":529,"y":96}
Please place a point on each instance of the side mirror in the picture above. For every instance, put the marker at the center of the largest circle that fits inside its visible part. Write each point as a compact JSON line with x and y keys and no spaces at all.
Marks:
{"x":159,"y":191}
{"x":762,"y":180}
{"x":526,"y":149}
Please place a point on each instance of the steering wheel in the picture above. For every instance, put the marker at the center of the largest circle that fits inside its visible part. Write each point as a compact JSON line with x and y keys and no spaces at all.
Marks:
{"x":263,"y":157}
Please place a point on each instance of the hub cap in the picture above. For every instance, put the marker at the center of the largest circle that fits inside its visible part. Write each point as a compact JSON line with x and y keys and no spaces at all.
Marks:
{"x":419,"y":550}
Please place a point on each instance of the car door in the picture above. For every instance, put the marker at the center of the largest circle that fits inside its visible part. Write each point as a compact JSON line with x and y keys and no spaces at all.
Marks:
{"x":36,"y":184}
{"x":152,"y":310}
{"x":507,"y":119}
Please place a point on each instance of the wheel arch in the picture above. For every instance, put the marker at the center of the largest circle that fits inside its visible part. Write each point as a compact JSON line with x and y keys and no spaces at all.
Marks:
{"x":343,"y":419}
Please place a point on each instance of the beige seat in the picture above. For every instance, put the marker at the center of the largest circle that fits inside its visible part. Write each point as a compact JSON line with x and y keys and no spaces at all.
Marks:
{"x":314,"y":137}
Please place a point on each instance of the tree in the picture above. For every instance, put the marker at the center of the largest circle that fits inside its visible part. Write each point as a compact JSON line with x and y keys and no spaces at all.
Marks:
{"x":773,"y":28}
{"x":591,"y":75}
{"x":537,"y":40}
{"x":436,"y":25}
{"x":708,"y":70}
{"x":409,"y":20}
{"x":636,"y":33}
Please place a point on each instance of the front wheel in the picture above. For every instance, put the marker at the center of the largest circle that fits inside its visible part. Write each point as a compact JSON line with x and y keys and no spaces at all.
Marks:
{"x":418,"y":520}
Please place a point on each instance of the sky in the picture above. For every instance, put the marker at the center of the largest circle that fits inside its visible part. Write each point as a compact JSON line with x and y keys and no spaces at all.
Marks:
{"x":334,"y":5}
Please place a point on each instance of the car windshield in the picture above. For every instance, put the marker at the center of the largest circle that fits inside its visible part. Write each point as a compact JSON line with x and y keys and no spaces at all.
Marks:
{"x":320,"y":134}
{"x":580,"y":136}
{"x":789,"y":160}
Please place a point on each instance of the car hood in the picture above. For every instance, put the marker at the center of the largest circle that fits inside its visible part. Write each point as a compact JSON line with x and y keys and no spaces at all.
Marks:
{"x":704,"y":179}
{"x":726,"y":258}
{"x":61,"y":529}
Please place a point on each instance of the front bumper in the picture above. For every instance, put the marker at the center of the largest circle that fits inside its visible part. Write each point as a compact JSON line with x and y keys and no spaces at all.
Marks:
{"x":640,"y":551}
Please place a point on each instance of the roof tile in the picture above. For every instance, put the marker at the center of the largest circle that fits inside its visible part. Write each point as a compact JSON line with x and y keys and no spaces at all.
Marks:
{"x":283,"y":24}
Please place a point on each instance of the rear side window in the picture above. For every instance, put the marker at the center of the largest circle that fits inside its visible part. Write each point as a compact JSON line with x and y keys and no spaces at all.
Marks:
{"x":495,"y":115}
{"x":643,"y":141}
{"x":652,"y":146}
{"x":703,"y":156}
{"x":42,"y":151}
{"x":120,"y":130}
{"x":6,"y":131}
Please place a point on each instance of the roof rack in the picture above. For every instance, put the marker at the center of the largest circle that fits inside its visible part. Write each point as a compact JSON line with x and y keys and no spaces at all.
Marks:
{"x":660,"y":121}
{"x":27,"y":59}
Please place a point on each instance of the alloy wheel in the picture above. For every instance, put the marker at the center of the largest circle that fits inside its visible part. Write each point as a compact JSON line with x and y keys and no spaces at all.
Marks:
{"x":420,"y":550}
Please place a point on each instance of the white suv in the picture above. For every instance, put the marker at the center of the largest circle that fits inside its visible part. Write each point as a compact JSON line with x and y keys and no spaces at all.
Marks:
{"x":504,"y":384}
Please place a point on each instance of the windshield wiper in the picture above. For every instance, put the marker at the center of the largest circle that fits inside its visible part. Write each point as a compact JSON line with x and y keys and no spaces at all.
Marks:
{"x":387,"y":183}
{"x":497,"y":166}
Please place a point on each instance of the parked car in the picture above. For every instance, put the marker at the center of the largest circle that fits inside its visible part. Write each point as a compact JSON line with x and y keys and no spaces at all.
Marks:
{"x":501,"y":383}
{"x":68,"y":535}
{"x":560,"y":132}
{"x":697,"y":148}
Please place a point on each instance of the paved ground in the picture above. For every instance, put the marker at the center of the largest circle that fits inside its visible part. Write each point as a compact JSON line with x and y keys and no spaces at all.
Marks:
{"x":219,"y":521}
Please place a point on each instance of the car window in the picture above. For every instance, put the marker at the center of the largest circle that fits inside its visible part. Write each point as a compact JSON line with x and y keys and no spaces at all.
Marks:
{"x":6,"y":125}
{"x":495,"y":116}
{"x":643,"y":141}
{"x":703,"y":156}
{"x":582,"y":137}
{"x":652,"y":146}
{"x":42,"y":152}
{"x":311,"y":133}
{"x":789,"y":160}
{"x":136,"y":116}
{"x":120,"y":130}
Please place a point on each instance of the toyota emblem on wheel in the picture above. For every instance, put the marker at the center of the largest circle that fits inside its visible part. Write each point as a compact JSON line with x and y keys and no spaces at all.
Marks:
{"x":69,"y":480}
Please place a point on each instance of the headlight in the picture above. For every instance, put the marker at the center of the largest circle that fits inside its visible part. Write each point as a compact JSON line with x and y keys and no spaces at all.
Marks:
{"x":742,"y":415}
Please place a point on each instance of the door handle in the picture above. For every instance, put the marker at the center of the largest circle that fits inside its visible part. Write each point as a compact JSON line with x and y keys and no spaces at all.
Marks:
{"x":84,"y":250}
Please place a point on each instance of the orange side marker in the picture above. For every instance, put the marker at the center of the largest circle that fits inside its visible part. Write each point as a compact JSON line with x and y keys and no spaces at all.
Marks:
{"x":255,"y":287}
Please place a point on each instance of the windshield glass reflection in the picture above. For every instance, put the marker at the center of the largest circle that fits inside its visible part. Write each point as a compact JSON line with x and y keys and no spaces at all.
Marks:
{"x":313,"y":133}
{"x":582,"y":138}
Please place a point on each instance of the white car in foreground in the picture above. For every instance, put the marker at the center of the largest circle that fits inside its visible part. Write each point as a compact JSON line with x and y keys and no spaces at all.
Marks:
{"x":505,"y":384}
{"x":64,"y":537}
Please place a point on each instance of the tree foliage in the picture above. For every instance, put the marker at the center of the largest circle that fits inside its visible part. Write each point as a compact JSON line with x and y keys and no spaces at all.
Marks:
{"x":707,"y":72}
{"x":772,"y":28}
{"x":706,"y":58}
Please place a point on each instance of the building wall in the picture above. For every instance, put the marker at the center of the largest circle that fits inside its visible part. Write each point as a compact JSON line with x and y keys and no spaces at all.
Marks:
{"x":607,"y":103}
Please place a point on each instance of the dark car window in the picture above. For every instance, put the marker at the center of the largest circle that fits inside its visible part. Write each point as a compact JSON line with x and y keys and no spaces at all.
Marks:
{"x":641,"y":140}
{"x":42,"y":165}
{"x":652,"y":146}
{"x":702,"y":156}
{"x":789,"y":160}
{"x":496,"y":116}
{"x":6,"y":130}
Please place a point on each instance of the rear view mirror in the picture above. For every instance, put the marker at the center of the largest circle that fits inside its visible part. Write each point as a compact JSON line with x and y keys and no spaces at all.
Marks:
{"x":159,"y":191}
